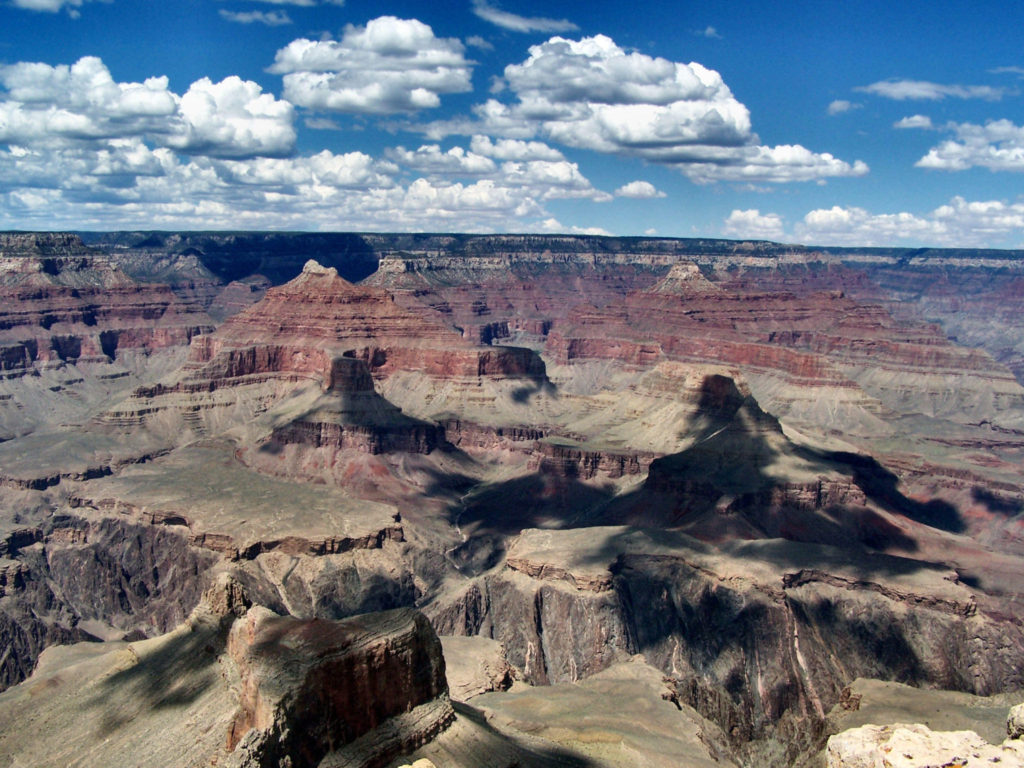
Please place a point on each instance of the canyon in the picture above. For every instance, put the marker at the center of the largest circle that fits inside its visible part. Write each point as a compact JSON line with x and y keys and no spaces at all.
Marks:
{"x":368,"y":499}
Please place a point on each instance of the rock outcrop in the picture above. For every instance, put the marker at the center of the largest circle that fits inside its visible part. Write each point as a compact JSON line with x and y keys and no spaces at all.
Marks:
{"x":321,"y":330}
{"x":917,"y":746}
{"x":238,"y":685}
{"x":1015,"y":722}
{"x":369,"y":688}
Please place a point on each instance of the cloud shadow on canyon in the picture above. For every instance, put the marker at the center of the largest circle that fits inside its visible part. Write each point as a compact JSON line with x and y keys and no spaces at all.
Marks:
{"x":726,"y":486}
{"x":173,"y":676}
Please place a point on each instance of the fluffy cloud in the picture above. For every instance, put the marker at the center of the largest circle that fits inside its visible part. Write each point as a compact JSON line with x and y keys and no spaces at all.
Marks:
{"x":352,"y":170}
{"x":998,"y":145}
{"x":515,"y":23}
{"x":958,"y":223}
{"x":787,"y":162}
{"x":922,"y":90}
{"x":541,"y":179}
{"x":270,"y":19}
{"x":553,"y":226}
{"x":325,"y":191}
{"x":82,"y":105}
{"x":233,"y":118}
{"x":839,"y":106}
{"x":391,"y":65}
{"x":752,"y":225}
{"x":79,"y":150}
{"x":914,"y":121}
{"x":431,"y":160}
{"x":79,"y":102}
{"x":478,"y":42}
{"x":551,"y":179}
{"x":128,"y":183}
{"x":117,"y":165}
{"x":708,"y":32}
{"x":639,"y":190}
{"x":591,"y":94}
{"x":514,"y":149}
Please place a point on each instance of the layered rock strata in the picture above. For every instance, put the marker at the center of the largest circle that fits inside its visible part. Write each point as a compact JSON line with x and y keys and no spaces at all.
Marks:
{"x":755,"y":645}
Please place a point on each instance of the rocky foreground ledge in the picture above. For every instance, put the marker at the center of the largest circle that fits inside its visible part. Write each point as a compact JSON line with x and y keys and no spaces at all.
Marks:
{"x":237,"y":686}
{"x":917,"y":746}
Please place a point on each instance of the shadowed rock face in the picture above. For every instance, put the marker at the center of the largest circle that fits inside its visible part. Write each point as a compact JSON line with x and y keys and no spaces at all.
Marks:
{"x":76,"y":579}
{"x":309,"y":688}
{"x":760,"y":649}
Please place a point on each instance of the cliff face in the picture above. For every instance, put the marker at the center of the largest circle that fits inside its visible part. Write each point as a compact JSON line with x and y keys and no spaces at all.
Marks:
{"x":309,"y":688}
{"x":64,"y":302}
{"x":75,"y":329}
{"x":71,"y":578}
{"x":322,"y":330}
{"x":757,"y":648}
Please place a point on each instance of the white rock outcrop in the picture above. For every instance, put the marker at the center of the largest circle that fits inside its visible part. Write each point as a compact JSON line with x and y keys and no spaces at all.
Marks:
{"x":1015,"y":722}
{"x":917,"y":746}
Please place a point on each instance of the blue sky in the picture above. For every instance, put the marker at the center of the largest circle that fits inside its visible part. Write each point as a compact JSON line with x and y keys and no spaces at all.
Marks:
{"x":872,"y":123}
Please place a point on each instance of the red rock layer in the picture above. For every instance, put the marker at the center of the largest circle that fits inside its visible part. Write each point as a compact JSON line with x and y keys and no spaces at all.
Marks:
{"x":489,"y":298}
{"x":65,"y":309}
{"x":301,"y":326}
{"x":805,"y":336}
{"x":568,"y":461}
{"x":376,"y":438}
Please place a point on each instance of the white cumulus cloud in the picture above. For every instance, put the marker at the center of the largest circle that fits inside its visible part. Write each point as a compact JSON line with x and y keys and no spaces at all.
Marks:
{"x":431,"y":160}
{"x":958,"y":223}
{"x":639,"y":190}
{"x":553,"y":226}
{"x":592,"y":94}
{"x":479,"y":42}
{"x":708,"y":32}
{"x":551,"y":179}
{"x":753,"y":225}
{"x":914,"y":121}
{"x":233,"y":118}
{"x":50,"y":6}
{"x":839,"y":106}
{"x":81,"y":105}
{"x":998,"y":145}
{"x":352,"y":170}
{"x":389,"y":66}
{"x":514,"y":149}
